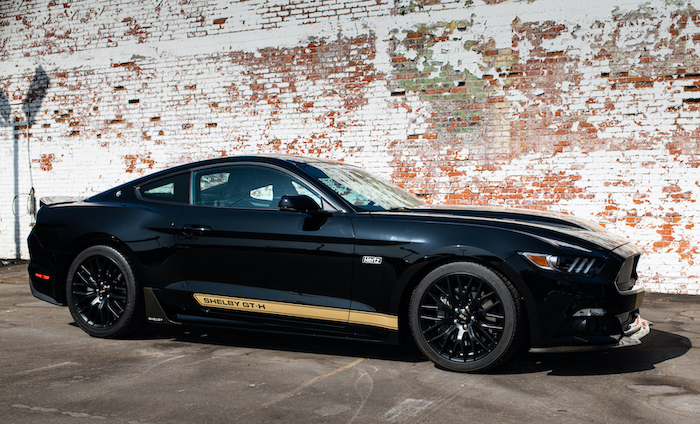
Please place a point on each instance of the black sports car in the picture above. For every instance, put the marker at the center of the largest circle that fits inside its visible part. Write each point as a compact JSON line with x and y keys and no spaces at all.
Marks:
{"x":315,"y":247}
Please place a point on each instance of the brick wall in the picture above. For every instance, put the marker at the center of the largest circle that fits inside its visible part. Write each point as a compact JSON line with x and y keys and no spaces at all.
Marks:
{"x":589,"y":108}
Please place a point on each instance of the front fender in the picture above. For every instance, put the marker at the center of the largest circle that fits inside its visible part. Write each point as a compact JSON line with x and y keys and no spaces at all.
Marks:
{"x":444,"y":255}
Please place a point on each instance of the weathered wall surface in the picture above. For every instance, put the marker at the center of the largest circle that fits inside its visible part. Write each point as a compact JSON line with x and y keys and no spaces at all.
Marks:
{"x":585,"y":107}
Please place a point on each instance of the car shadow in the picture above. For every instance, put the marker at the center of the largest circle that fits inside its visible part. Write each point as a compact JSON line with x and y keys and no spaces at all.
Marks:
{"x":283,"y":342}
{"x":657,"y":346}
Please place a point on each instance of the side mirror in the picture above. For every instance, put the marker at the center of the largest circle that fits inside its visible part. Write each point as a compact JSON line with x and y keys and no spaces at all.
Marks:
{"x":300,"y":203}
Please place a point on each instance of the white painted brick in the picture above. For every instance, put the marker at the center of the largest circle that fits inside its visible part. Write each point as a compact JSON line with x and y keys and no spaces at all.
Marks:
{"x":609,"y":170}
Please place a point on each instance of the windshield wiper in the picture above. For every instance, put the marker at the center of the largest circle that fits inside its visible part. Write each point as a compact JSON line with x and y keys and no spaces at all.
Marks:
{"x":400,"y":209}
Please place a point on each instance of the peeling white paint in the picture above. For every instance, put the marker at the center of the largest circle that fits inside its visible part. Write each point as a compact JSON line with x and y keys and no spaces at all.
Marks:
{"x":616,"y":178}
{"x":184,"y":48}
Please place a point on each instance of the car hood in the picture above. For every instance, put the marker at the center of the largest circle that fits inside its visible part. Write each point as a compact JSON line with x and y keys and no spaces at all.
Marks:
{"x":528,"y":221}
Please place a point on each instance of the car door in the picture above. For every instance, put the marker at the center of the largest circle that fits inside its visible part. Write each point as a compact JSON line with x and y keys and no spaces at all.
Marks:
{"x":240,"y":254}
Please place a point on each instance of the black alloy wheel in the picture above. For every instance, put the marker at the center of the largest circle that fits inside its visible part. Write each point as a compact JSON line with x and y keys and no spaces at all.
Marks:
{"x":102,"y":293}
{"x":466,"y":317}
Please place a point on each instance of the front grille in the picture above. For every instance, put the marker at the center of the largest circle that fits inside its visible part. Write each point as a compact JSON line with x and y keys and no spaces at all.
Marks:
{"x":627,"y":277}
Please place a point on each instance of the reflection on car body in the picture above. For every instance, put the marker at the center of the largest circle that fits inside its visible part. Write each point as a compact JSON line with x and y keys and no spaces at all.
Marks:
{"x":316,"y":247}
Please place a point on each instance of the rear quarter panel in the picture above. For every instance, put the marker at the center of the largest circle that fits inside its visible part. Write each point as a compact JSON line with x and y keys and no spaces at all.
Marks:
{"x":143,"y":232}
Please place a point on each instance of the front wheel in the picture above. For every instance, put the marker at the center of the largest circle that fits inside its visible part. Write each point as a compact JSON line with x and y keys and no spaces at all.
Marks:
{"x":103,"y":295}
{"x":466,"y":317}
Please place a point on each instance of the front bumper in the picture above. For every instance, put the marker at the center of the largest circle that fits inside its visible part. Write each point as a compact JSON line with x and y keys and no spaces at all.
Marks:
{"x":631,"y":337}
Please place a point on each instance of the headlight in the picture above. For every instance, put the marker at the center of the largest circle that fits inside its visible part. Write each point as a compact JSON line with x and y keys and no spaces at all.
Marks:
{"x":569,"y":265}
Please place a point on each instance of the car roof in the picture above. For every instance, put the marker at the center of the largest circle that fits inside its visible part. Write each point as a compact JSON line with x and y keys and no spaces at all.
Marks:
{"x":269,"y":158}
{"x":286,"y":161}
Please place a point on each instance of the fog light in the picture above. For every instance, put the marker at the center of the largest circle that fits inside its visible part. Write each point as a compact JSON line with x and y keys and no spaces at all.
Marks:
{"x":590,"y":312}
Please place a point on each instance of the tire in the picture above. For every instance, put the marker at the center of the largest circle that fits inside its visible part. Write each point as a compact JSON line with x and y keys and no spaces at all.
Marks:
{"x":466,"y":317}
{"x":103,"y":295}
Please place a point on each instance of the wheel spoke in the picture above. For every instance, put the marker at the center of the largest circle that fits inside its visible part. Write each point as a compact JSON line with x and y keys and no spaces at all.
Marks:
{"x":491,"y":306}
{"x":455,"y":290}
{"x":438,"y":336}
{"x":485,"y":297}
{"x":92,"y":313}
{"x":450,"y":291}
{"x":478,"y":290}
{"x":480,"y":328}
{"x":83,"y":293}
{"x":102,"y":312}
{"x":476,"y":340}
{"x":436,"y":299}
{"x":457,"y":347}
{"x":95,"y":267}
{"x":463,"y":349}
{"x":86,"y":277}
{"x":114,"y":309}
{"x":433,"y":327}
{"x":462,"y":291}
{"x":446,"y":335}
{"x":491,"y":326}
{"x":431,"y":318}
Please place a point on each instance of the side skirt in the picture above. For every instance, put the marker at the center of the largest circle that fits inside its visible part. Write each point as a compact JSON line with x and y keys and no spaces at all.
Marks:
{"x":155,"y":312}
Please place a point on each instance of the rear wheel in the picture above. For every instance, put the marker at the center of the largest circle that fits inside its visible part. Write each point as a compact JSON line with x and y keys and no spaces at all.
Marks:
{"x":103,"y":295}
{"x":466,"y":317}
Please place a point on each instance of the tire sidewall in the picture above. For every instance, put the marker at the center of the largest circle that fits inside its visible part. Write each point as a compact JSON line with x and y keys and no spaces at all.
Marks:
{"x":121,"y":325}
{"x":505,"y":345}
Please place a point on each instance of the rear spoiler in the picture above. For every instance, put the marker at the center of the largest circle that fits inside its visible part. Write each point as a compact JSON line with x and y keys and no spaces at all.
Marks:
{"x":57,"y":200}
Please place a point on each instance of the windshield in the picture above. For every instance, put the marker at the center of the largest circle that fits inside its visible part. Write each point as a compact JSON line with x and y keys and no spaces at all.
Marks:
{"x":359,"y":188}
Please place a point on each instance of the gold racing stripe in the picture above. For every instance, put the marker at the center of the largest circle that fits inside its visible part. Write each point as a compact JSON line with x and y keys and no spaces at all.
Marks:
{"x":390,"y":322}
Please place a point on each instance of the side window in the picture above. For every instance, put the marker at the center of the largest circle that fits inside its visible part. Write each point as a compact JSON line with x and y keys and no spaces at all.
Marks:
{"x":300,"y":188}
{"x":171,"y":189}
{"x":209,"y":181}
{"x":246,"y":186}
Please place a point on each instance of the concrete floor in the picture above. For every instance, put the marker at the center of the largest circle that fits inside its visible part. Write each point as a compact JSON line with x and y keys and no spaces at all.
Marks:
{"x":52,"y":372}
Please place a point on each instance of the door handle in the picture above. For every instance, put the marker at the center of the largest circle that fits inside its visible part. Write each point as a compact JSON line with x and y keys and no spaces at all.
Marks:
{"x":199,"y":230}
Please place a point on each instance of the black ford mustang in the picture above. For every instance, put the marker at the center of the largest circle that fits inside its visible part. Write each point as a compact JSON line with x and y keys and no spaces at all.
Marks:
{"x":316,"y":247}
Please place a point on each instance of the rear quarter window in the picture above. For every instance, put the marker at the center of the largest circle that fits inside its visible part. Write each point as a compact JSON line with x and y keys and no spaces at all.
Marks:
{"x":170,"y":189}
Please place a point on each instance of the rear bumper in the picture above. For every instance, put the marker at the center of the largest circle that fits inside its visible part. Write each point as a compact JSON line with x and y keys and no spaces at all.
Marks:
{"x":44,"y":273}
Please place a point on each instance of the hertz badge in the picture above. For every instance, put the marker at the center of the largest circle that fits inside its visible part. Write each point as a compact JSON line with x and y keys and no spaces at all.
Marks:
{"x":372,"y":260}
